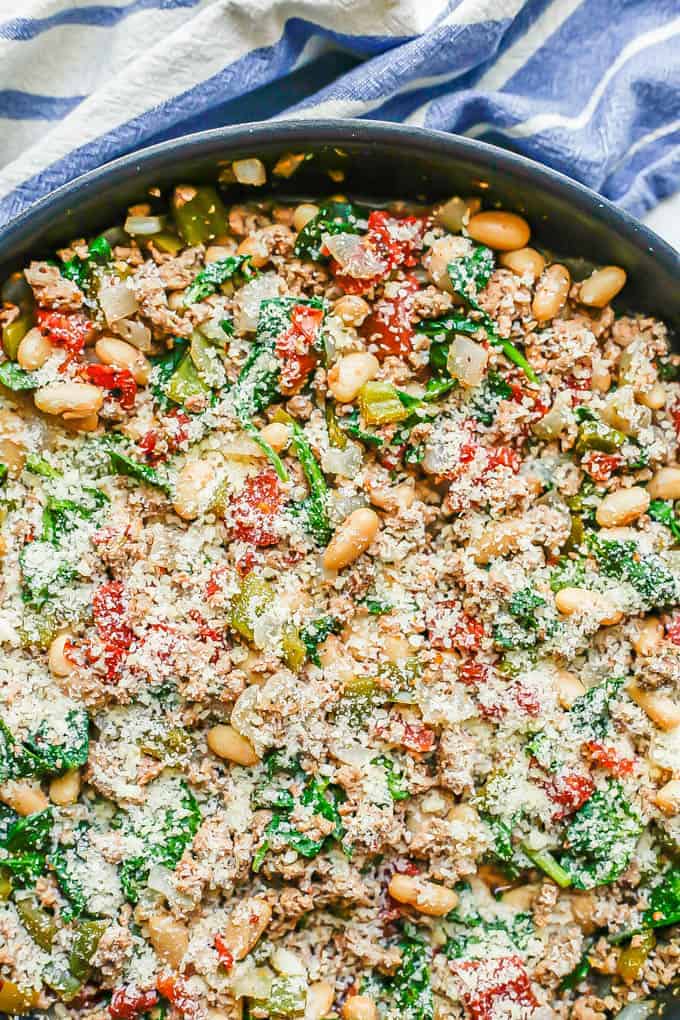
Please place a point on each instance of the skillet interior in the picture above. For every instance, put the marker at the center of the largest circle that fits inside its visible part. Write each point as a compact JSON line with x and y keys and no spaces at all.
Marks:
{"x":380,"y":160}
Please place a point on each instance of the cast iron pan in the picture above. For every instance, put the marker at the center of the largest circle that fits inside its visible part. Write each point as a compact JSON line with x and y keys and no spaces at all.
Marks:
{"x":379,"y":161}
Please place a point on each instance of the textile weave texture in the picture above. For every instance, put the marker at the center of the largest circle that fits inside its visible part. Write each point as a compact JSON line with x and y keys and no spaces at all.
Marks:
{"x":590,"y":87}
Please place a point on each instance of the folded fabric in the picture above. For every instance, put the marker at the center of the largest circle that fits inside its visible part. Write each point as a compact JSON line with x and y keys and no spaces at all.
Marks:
{"x":591,"y":87}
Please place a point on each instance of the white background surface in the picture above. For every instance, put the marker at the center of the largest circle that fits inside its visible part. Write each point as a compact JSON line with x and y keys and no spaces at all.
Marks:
{"x":665,"y":219}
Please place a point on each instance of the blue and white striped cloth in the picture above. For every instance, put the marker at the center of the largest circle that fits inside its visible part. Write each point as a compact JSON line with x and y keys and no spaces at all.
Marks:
{"x":591,"y":87}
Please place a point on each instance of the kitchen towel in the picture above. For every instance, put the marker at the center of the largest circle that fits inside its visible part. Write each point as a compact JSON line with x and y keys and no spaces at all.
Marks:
{"x":590,"y":87}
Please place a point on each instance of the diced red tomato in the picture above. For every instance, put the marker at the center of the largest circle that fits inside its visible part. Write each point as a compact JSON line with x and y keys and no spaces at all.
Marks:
{"x":120,"y":382}
{"x":495,"y":987}
{"x":170,"y":437}
{"x":110,"y":612}
{"x":504,"y":456}
{"x":675,"y":417}
{"x":295,"y":348}
{"x":525,"y":699}
{"x":601,"y":466}
{"x":224,"y":952}
{"x":388,"y":328}
{"x":468,"y":451}
{"x":607,"y":758}
{"x":673,"y":629}
{"x":570,"y":791}
{"x":418,"y":738}
{"x":396,"y":239}
{"x":176,"y":992}
{"x":255,"y":508}
{"x":473,"y":673}
{"x":69,"y":330}
{"x":129,"y":1002}
{"x":451,"y":628}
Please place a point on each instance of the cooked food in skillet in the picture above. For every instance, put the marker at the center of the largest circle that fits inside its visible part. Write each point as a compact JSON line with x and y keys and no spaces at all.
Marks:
{"x":340,"y":646}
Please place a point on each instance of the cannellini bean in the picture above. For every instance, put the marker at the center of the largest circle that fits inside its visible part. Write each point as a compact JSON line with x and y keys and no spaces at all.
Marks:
{"x":521,"y":897}
{"x":57,"y":659}
{"x":226,"y":742}
{"x":660,"y":708}
{"x":72,"y":400}
{"x":649,"y":636}
{"x":668,"y":798}
{"x":193,"y":487}
{"x":34,"y":350}
{"x":582,"y":600}
{"x":277,"y":434}
{"x":349,"y":374}
{"x":551,"y":293}
{"x":568,"y":687}
{"x":352,"y":538}
{"x":303,"y":214}
{"x":602,"y":286}
{"x":359,"y":1007}
{"x":352,"y":309}
{"x":64,"y":790}
{"x":120,"y":354}
{"x":524,"y":262}
{"x":601,"y":379}
{"x":169,"y":938}
{"x":622,"y":507}
{"x":427,"y":897}
{"x":498,"y":539}
{"x":246,"y":924}
{"x":503,"y":231}
{"x":320,"y":996}
{"x":582,"y":908}
{"x":255,"y":247}
{"x":465,"y":813}
{"x":88,"y":424}
{"x":24,"y":798}
{"x":654,"y":398}
{"x":392,"y":498}
{"x":665,"y":484}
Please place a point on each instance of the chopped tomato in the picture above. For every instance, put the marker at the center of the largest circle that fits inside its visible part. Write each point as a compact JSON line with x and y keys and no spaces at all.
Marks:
{"x":471,"y":672}
{"x":451,"y":628}
{"x":673,"y":629}
{"x":129,"y":1002}
{"x":110,"y":611}
{"x":176,"y":992}
{"x":468,"y":451}
{"x":295,"y":348}
{"x":601,"y":466}
{"x":69,"y":330}
{"x":120,"y":382}
{"x":504,"y":456}
{"x":224,"y":952}
{"x":571,"y":791}
{"x":395,"y":239}
{"x":169,"y":438}
{"x":525,"y":699}
{"x":388,"y":328}
{"x":495,"y":987}
{"x":418,"y":738}
{"x":607,"y":758}
{"x":255,"y":508}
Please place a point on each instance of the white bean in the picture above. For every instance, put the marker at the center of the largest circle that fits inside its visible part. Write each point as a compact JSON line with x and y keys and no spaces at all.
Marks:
{"x":352,"y":538}
{"x":622,"y":507}
{"x":120,"y":354}
{"x":349,"y":374}
{"x":72,"y":400}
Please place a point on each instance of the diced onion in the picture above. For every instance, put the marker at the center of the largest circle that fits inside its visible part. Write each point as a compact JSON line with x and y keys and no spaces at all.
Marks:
{"x":636,"y":1011}
{"x":249,"y":171}
{"x":253,"y":982}
{"x":286,"y":962}
{"x":345,"y":462}
{"x":135,"y":332}
{"x":354,"y":257}
{"x":250,"y":296}
{"x":467,"y":360}
{"x":144,"y":226}
{"x":116,"y":299}
{"x":159,"y":881}
{"x":558,"y":418}
{"x":621,"y":411}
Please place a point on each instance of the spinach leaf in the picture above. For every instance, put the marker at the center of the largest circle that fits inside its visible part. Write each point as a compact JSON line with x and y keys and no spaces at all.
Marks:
{"x":601,"y":838}
{"x":124,"y":465}
{"x":394,"y":776}
{"x":37,"y":755}
{"x":27,"y":841}
{"x":663,"y":511}
{"x":411,"y":983}
{"x":577,"y":975}
{"x":16,"y":378}
{"x":215,"y":274}
{"x":589,"y":714}
{"x":60,"y":516}
{"x":164,"y":368}
{"x":68,"y":883}
{"x":315,"y":633}
{"x":664,"y":902}
{"x":569,"y":572}
{"x":519,"y":931}
{"x":39,"y":466}
{"x":315,"y":505}
{"x":79,"y":270}
{"x":333,"y":217}
{"x":43,"y":574}
{"x":647,"y":573}
{"x":488,"y":396}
